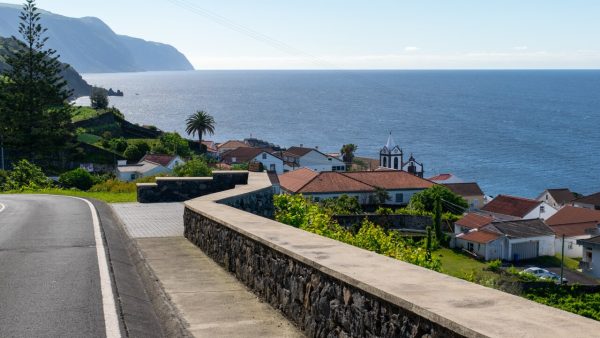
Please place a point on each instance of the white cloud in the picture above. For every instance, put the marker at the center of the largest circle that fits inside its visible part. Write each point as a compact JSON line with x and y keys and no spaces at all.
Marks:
{"x":411,"y":49}
{"x":521,"y":48}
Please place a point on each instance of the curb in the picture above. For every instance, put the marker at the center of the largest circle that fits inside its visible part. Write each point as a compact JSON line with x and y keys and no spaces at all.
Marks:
{"x":171,"y":320}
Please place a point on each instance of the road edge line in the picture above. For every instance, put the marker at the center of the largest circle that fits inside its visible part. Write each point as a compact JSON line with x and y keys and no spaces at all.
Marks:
{"x":2,"y":207}
{"x":111,"y":319}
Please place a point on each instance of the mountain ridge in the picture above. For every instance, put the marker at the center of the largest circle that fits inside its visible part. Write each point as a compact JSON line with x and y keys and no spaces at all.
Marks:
{"x":89,"y":45}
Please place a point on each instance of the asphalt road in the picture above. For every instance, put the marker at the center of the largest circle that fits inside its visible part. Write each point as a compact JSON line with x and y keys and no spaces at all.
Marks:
{"x":50,"y":284}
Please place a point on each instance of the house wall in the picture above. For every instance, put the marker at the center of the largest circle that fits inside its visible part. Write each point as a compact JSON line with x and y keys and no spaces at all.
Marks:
{"x":546,"y":197}
{"x":546,"y":247}
{"x":536,"y":213}
{"x":584,"y":205}
{"x":495,"y":249}
{"x":270,"y":160}
{"x":319,"y":162}
{"x":126,"y":176}
{"x":478,"y":248}
{"x":572,"y":249}
{"x":177,"y":160}
{"x":475,"y":202}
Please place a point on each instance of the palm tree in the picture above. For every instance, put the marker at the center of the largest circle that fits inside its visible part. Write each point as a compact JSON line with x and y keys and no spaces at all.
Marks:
{"x":348,"y":152}
{"x":202,"y":123}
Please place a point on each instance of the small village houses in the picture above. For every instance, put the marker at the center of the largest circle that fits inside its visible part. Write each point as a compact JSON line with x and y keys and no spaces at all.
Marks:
{"x":149,"y":165}
{"x":590,"y":262}
{"x":242,"y":155}
{"x":575,"y":224}
{"x":557,"y":198}
{"x":590,"y":202}
{"x":300,"y":157}
{"x":505,"y":207}
{"x":471,"y":192}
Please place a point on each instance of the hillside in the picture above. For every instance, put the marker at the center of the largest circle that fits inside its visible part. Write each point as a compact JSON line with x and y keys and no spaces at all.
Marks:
{"x":74,"y":80}
{"x":90,"y":46}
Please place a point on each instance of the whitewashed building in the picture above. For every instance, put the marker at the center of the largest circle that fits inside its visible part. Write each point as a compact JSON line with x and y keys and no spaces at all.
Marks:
{"x":149,"y":165}
{"x":506,"y":207}
{"x":300,"y":157}
{"x":575,"y":224}
{"x":590,"y":261}
{"x":245,"y":155}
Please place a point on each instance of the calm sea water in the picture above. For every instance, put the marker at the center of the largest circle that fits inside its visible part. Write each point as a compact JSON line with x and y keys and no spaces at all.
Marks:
{"x":514,"y":132}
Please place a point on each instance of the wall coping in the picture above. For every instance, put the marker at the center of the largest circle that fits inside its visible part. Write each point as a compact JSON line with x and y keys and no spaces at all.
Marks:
{"x":184,"y":179}
{"x":466,"y":308}
{"x":146,"y":184}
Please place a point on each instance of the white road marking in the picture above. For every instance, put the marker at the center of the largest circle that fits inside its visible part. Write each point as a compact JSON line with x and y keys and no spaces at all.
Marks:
{"x":2,"y":207}
{"x":111,"y":321}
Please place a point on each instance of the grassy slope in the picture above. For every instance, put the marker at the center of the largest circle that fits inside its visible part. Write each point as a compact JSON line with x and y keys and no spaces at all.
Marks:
{"x":107,"y":197}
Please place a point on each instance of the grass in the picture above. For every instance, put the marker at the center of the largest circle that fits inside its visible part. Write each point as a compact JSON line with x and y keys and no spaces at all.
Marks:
{"x":553,"y":262}
{"x":108,"y":197}
{"x":459,"y":265}
{"x":88,"y":138}
{"x":84,"y":113}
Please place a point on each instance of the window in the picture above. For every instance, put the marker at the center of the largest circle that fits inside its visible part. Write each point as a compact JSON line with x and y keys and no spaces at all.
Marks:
{"x":542,"y":209}
{"x":272,"y":167}
{"x":264,"y":156}
{"x":385,"y":161}
{"x":470,"y":246}
{"x":133,"y":176}
{"x":400,"y":198}
{"x":317,"y":199}
{"x":570,"y":246}
{"x":395,"y":163}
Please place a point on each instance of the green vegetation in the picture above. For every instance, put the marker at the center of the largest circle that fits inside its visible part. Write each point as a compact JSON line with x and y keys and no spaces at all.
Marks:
{"x":200,"y":123}
{"x":427,"y":199}
{"x":195,"y":167}
{"x":343,"y":205}
{"x":172,"y":144}
{"x":348,"y":151}
{"x":570,"y":299}
{"x":24,"y":175}
{"x":107,"y":197}
{"x":99,"y":98}
{"x":135,"y":151}
{"x":35,"y":115}
{"x":296,"y":211}
{"x":88,"y":138}
{"x":77,"y":178}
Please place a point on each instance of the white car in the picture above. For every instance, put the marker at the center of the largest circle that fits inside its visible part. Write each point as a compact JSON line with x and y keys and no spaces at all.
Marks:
{"x":543,"y":274}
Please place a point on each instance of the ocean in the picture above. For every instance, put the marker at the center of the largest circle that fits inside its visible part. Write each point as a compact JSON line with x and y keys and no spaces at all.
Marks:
{"x":514,"y":132}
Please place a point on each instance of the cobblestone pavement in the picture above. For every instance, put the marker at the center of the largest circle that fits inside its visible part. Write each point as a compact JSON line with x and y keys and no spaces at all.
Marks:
{"x":151,"y":219}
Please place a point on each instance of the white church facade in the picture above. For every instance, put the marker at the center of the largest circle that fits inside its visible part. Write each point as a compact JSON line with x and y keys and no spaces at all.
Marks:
{"x":391,"y":156}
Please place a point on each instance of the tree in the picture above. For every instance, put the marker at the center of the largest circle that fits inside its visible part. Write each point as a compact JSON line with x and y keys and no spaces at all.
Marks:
{"x":99,"y":98}
{"x":201,"y":123}
{"x":425,"y":200}
{"x":33,"y":98}
{"x":437,"y":218}
{"x":381,"y":195}
{"x":135,"y":151}
{"x":348,"y":152}
{"x":172,"y":144}
{"x":196,"y":167}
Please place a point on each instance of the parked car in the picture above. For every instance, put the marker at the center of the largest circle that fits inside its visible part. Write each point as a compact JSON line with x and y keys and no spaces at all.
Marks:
{"x":543,"y":274}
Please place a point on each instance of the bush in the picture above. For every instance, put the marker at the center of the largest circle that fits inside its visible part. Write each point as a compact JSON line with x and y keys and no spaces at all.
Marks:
{"x":425,"y":200}
{"x":135,"y":151}
{"x":172,"y":144}
{"x":4,"y":177}
{"x":99,"y":98}
{"x":26,"y":175}
{"x":494,"y":265}
{"x":343,"y":205}
{"x":118,"y":144}
{"x":78,"y":178}
{"x":196,"y":167}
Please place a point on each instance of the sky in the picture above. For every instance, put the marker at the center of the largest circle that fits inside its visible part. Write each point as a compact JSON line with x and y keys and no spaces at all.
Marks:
{"x":359,"y":34}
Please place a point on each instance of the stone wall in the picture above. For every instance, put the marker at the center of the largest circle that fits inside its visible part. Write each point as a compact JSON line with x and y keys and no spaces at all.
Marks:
{"x":258,"y":202}
{"x":179,"y":189}
{"x":319,"y":304}
{"x":396,"y":222}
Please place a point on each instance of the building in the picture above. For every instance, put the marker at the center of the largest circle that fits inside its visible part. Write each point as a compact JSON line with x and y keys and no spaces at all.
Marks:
{"x":391,"y":156}
{"x":590,"y":261}
{"x":211,"y":149}
{"x":471,"y":192}
{"x":244,"y":155}
{"x":506,"y":207}
{"x":300,"y":157}
{"x":446,"y":178}
{"x":509,"y":240}
{"x":557,"y":198}
{"x":590,"y":202}
{"x":363,"y":185}
{"x":149,"y":165}
{"x":470,"y":222}
{"x":230,"y":145}
{"x":574,"y":223}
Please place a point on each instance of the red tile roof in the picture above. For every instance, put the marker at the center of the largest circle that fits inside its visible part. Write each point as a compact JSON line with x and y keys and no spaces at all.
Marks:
{"x":161,"y":159}
{"x":441,"y":177}
{"x":464,"y":189}
{"x":232,"y":144}
{"x":307,"y":181}
{"x":294,"y":180}
{"x":474,"y":221}
{"x":241,"y":155}
{"x":390,"y":179}
{"x":593,"y":199}
{"x":511,"y":205}
{"x":299,"y":151}
{"x":572,"y":221}
{"x":482,"y":237}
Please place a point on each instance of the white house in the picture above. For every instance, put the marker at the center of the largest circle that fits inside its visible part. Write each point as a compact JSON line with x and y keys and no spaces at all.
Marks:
{"x":149,"y":165}
{"x":506,"y":207}
{"x":557,"y":198}
{"x":509,"y":240}
{"x":363,"y":185}
{"x":300,"y":157}
{"x":574,"y":223}
{"x":269,"y":161}
{"x":590,"y":262}
{"x":590,"y":202}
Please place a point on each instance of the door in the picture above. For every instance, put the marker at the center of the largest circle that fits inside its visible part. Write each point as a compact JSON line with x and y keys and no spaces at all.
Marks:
{"x":525,"y":250}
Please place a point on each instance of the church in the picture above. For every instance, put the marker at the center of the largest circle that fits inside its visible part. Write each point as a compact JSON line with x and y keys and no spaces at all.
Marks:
{"x":391,"y":156}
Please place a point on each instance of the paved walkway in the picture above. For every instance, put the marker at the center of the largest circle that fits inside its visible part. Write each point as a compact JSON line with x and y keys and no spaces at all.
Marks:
{"x":212,"y":301}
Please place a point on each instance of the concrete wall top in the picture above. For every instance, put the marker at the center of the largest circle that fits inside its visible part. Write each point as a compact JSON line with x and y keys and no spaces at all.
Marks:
{"x":168,"y":179}
{"x":466,"y":308}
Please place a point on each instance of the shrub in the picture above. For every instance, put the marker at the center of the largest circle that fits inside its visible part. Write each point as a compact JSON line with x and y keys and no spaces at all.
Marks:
{"x":239,"y":166}
{"x":425,"y":200}
{"x":172,"y":144}
{"x":135,"y":151}
{"x":343,"y":205}
{"x":118,"y":144}
{"x":494,"y":265}
{"x":4,"y":177}
{"x":77,"y":178}
{"x":195,"y":167}
{"x":26,"y":175}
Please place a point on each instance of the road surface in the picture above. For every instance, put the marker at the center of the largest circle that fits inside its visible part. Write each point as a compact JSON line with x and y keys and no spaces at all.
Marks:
{"x":53,"y":270}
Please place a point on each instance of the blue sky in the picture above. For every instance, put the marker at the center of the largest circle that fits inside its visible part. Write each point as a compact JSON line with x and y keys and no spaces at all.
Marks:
{"x":359,"y":34}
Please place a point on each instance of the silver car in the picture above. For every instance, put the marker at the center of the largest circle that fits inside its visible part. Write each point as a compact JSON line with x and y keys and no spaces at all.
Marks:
{"x":543,"y":274}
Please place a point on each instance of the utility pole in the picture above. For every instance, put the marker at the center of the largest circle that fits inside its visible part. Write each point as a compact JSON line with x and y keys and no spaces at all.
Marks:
{"x":562,"y":259}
